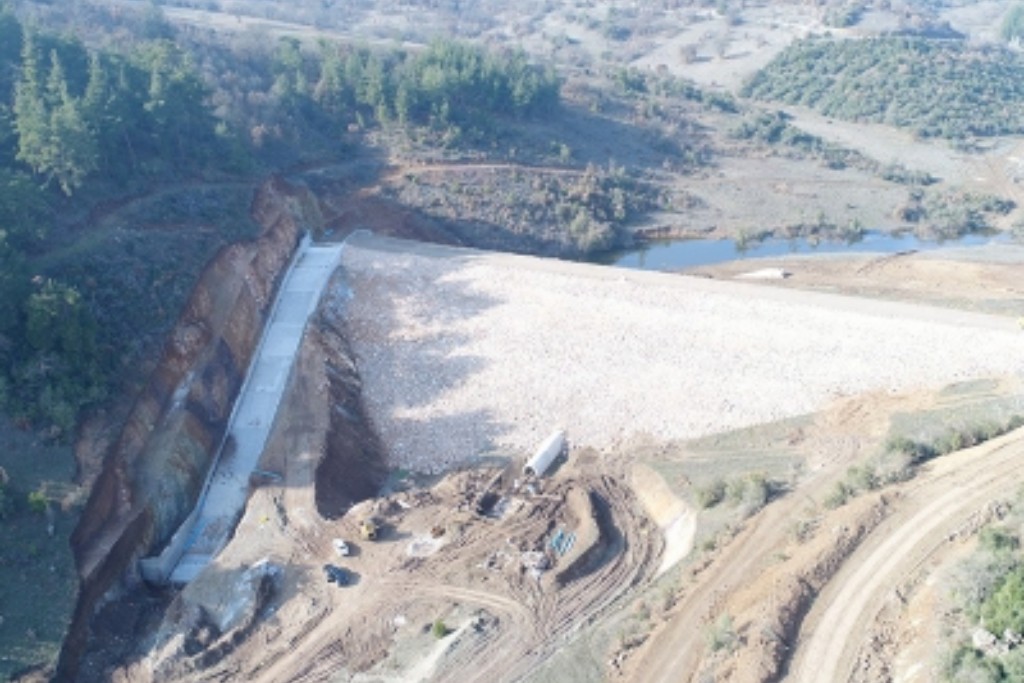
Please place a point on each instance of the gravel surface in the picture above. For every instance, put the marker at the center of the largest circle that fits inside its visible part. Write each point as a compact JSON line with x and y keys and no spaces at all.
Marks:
{"x":463,"y":352}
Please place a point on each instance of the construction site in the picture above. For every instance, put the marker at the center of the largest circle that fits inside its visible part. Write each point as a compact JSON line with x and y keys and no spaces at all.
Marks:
{"x":477,"y":466}
{"x":682,"y":342}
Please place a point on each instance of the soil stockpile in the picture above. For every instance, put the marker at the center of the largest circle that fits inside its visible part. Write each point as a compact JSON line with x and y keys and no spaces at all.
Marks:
{"x":462,"y":352}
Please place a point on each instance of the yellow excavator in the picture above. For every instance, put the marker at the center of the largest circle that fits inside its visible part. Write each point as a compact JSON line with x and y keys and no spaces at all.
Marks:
{"x":369,"y":529}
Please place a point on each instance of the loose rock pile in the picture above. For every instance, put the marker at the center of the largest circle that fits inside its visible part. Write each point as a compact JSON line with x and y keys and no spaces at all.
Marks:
{"x":463,"y":352}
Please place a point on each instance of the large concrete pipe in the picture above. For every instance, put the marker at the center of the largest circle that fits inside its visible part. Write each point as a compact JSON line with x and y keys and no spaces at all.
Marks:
{"x":545,"y":455}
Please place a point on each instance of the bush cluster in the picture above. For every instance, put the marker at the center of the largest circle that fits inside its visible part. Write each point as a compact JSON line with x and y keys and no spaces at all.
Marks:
{"x":953,"y":439}
{"x":750,"y":493}
{"x":565,"y":213}
{"x":451,"y":86}
{"x":902,"y":454}
{"x":949,"y":215}
{"x":70,"y":116}
{"x":773,"y":128}
{"x":989,"y":587}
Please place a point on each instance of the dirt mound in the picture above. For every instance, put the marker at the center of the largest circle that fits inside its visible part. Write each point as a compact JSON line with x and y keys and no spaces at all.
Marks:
{"x":595,"y":534}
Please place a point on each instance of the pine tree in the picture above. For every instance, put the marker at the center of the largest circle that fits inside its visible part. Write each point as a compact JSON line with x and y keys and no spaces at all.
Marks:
{"x":97,"y":88}
{"x":290,"y":84}
{"x":53,"y":138}
{"x":329,"y":90}
{"x":10,"y":48}
{"x":71,"y":152}
{"x":30,"y":116}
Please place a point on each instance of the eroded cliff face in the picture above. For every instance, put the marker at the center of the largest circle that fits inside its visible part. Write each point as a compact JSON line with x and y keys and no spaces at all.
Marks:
{"x":154,"y":471}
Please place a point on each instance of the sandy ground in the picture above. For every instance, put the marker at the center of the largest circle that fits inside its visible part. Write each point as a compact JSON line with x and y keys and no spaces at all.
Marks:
{"x":724,"y":56}
{"x":464,"y":353}
{"x":888,"y":145}
{"x":748,"y":195}
{"x":980,"y":279}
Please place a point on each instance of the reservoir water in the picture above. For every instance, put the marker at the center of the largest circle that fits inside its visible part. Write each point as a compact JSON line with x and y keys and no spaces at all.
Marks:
{"x":689,"y":253}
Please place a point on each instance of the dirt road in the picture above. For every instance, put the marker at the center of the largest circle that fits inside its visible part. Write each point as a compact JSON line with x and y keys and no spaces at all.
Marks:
{"x":927,"y":512}
{"x":934,"y":508}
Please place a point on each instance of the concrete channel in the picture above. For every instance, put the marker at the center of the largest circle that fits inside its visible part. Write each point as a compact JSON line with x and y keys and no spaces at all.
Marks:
{"x":207,"y":529}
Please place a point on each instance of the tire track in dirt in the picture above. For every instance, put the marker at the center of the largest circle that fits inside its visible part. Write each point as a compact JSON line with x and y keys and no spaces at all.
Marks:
{"x":633,"y":562}
{"x":534,"y":618}
{"x":552,"y":615}
{"x":956,"y":487}
{"x":522,"y":621}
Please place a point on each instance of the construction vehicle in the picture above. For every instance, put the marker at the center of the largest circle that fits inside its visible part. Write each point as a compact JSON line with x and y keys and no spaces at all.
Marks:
{"x":369,"y":529}
{"x":338,"y":575}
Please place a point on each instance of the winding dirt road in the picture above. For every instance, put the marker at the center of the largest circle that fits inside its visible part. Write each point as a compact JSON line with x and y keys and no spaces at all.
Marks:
{"x":934,"y":508}
{"x":927,"y":512}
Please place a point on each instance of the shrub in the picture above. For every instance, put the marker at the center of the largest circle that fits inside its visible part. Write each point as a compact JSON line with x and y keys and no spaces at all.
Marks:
{"x":751,"y":493}
{"x":1004,"y":609}
{"x":37,"y":502}
{"x":916,"y":450}
{"x":894,"y":466}
{"x":967,"y":664}
{"x":722,"y":635}
{"x":711,"y":495}
{"x":802,"y":530}
{"x":863,"y":478}
{"x":998,"y":540}
{"x":898,"y":173}
{"x":978,"y":577}
{"x":841,"y":493}
{"x":736,"y":490}
{"x":439,"y":629}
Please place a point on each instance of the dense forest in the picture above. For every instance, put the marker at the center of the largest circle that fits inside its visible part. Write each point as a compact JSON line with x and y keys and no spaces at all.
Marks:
{"x":69,"y":115}
{"x":84,"y":125}
{"x":934,"y":88}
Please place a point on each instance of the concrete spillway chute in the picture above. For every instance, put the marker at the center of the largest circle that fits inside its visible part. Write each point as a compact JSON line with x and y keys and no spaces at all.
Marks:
{"x":545,"y":455}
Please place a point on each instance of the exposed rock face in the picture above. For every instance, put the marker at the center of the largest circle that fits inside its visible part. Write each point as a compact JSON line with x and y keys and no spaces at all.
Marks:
{"x":154,"y":471}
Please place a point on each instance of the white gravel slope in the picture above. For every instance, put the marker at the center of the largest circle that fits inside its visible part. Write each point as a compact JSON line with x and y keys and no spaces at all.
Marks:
{"x":461,"y":352}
